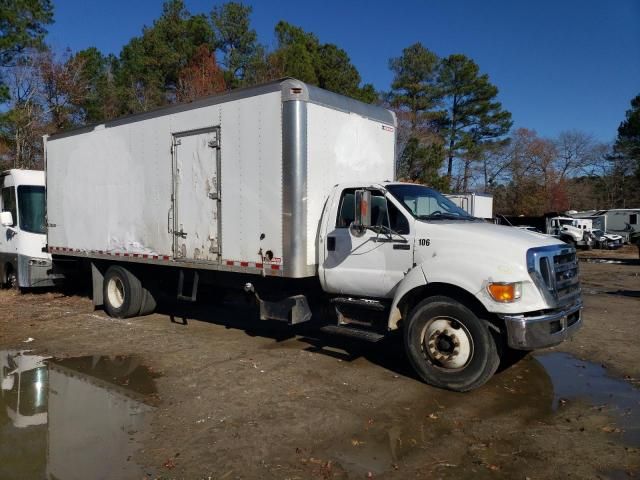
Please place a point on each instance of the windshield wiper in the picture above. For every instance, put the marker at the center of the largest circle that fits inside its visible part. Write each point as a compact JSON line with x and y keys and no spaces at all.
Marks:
{"x":444,"y":216}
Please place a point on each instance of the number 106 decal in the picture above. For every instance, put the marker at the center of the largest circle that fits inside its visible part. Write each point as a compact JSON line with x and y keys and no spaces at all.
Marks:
{"x":424,"y":242}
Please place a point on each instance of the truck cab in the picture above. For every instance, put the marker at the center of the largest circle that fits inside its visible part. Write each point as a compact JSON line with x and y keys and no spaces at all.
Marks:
{"x":462,"y":290}
{"x":23,"y":230}
{"x":570,"y":231}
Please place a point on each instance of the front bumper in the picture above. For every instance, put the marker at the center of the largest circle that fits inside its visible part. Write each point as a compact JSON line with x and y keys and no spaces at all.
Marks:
{"x":34,"y":272}
{"x":533,"y":332}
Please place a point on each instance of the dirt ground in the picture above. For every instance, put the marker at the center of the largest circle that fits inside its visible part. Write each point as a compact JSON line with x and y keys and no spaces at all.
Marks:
{"x":239,"y":399}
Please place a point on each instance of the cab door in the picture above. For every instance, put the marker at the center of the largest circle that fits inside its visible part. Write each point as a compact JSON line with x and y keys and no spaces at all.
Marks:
{"x":369,"y":263}
{"x":8,"y":236}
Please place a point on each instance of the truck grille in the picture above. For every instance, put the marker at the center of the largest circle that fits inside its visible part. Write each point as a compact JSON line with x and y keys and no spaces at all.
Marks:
{"x":554,"y":269}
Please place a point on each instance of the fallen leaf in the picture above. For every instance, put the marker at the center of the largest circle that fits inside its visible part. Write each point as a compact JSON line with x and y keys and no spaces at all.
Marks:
{"x":609,"y":429}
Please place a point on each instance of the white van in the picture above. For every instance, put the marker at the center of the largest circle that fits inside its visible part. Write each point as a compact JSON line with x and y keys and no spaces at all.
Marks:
{"x":23,"y":230}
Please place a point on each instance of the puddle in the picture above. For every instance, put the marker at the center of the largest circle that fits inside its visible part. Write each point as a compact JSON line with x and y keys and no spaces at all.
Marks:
{"x":532,"y":391}
{"x":73,"y":418}
{"x":575,"y":379}
{"x":625,"y":261}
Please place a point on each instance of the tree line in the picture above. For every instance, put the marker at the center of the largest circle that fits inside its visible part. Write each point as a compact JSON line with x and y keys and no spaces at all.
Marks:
{"x":453,"y":133}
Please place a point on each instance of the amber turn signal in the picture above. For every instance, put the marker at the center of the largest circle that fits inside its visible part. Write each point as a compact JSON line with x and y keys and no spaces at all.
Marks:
{"x":505,"y":292}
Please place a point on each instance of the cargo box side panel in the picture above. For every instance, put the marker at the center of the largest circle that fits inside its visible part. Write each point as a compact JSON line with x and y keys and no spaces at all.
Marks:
{"x":342,"y":147}
{"x":251,"y":165}
{"x":109,"y":189}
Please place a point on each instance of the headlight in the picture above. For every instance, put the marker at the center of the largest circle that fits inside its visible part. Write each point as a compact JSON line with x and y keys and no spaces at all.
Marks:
{"x":505,"y":292}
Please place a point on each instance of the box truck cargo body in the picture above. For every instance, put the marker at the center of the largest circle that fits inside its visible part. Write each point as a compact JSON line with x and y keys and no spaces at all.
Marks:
{"x":475,"y":204}
{"x":235,"y":182}
{"x":286,"y":192}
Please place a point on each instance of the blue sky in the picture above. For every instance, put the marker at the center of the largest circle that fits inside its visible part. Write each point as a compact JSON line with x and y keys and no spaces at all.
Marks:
{"x":559,"y":65}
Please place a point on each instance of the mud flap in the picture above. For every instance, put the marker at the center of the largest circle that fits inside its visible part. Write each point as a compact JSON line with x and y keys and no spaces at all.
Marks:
{"x":292,"y":310}
{"x":97,"y":282}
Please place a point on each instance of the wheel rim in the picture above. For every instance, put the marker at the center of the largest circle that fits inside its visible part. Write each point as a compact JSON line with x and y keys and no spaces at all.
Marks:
{"x":447,"y":344}
{"x":115,"y":292}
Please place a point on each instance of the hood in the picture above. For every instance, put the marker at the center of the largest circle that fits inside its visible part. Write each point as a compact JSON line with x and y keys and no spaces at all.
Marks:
{"x":488,"y":234}
{"x":498,"y":247}
{"x":611,"y":236}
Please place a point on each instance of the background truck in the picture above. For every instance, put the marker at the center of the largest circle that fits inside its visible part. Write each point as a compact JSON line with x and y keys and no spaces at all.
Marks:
{"x":568,"y":230}
{"x":23,"y":231}
{"x":286,"y":191}
{"x":622,"y":221}
{"x":599,"y":238}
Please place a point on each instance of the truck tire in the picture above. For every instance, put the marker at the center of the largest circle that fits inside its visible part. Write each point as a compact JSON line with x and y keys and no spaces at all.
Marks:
{"x":148,"y":304}
{"x":122,"y":292}
{"x":449,"y":346}
{"x":10,"y":280}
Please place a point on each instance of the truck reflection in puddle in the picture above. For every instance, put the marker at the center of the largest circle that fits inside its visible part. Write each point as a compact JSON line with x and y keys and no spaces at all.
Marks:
{"x":71,"y":418}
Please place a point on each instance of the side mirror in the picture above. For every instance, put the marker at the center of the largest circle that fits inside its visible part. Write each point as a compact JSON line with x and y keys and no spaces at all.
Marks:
{"x":362,"y":218}
{"x":6,"y":219}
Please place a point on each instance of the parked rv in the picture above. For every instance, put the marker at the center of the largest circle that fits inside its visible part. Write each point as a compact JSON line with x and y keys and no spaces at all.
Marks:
{"x":286,"y":191}
{"x":23,"y":263}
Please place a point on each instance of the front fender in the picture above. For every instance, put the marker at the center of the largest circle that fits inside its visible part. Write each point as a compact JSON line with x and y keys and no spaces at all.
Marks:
{"x":415,"y":278}
{"x":472,"y":277}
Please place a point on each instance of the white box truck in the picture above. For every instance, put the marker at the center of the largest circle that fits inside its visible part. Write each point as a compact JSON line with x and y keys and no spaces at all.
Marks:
{"x":23,"y":263}
{"x":475,"y":204}
{"x":286,"y":191}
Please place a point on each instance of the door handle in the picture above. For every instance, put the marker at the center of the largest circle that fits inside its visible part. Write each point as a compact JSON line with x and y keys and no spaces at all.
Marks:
{"x":180,"y":234}
{"x":401,"y":246}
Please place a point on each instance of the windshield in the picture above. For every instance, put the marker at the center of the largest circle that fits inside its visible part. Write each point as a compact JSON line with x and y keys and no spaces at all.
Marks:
{"x":31,"y":208}
{"x":427,"y":204}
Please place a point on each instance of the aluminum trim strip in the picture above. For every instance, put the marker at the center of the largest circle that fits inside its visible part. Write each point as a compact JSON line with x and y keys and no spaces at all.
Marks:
{"x":294,"y":187}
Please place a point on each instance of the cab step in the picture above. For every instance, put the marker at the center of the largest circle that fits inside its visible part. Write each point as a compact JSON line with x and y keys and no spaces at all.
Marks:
{"x":359,"y":302}
{"x":352,"y":332}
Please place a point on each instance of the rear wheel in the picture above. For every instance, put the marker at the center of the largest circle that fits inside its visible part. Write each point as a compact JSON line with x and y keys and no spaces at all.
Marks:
{"x":122,"y":292}
{"x":449,"y":346}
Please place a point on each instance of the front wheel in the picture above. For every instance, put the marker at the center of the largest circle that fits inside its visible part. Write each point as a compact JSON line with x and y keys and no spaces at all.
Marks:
{"x":12,"y":280}
{"x":449,"y":346}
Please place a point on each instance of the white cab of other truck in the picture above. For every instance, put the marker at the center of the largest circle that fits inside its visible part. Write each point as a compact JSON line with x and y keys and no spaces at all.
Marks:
{"x":22,"y":230}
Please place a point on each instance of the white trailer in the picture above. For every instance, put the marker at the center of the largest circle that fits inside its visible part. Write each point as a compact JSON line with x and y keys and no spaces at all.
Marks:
{"x":23,"y":263}
{"x":286,"y":191}
{"x":475,"y":204}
